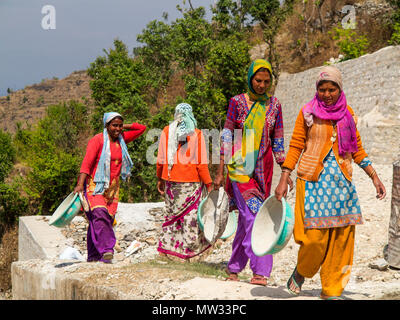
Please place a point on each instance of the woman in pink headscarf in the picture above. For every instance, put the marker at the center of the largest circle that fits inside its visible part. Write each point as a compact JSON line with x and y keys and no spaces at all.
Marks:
{"x":327,"y":206}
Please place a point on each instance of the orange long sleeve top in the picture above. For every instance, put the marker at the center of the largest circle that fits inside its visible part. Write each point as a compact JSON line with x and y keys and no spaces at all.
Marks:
{"x":190,"y":161}
{"x":312,"y":145}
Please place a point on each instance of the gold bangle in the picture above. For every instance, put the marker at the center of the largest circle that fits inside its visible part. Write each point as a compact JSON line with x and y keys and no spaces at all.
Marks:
{"x":287,"y":170}
{"x":372,"y":174}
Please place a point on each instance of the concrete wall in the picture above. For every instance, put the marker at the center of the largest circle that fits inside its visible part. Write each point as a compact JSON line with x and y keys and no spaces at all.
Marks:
{"x":38,"y":240}
{"x":51,"y":280}
{"x":40,"y":274}
{"x":372,"y":87}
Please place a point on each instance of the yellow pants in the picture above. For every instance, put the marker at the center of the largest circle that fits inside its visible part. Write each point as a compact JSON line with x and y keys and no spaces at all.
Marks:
{"x":330,"y":249}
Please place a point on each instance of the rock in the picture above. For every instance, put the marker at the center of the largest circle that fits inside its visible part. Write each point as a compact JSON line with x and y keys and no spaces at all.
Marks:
{"x":119,"y":256}
{"x":379,"y":264}
{"x":129,"y":237}
{"x":117,"y":248}
{"x":151,"y":241}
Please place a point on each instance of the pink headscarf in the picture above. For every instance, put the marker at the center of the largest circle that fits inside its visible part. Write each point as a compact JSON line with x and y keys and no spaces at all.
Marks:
{"x":346,"y":127}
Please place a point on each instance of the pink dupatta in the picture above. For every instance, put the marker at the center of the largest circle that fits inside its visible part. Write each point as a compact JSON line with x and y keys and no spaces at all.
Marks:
{"x":346,"y":127}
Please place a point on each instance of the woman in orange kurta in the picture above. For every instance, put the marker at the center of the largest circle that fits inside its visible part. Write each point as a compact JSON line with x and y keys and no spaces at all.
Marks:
{"x":327,"y":206}
{"x":106,"y":159}
{"x":182,"y":172}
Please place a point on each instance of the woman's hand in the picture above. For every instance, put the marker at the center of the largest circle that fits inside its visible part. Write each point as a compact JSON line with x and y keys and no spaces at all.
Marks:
{"x":79,"y":185}
{"x":210,"y":187}
{"x":218,"y":181}
{"x":281,"y":189}
{"x":380,"y":188}
{"x":161,"y":186}
{"x":78,"y":188}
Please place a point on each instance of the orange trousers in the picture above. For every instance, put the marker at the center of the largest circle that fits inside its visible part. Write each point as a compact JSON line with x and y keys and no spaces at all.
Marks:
{"x":328,"y":249}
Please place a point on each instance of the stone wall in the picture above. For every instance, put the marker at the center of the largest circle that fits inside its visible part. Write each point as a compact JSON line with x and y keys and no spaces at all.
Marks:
{"x":372,"y":87}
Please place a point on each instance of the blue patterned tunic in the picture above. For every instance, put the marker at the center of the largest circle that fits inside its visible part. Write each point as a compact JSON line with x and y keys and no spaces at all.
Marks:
{"x":332,"y":201}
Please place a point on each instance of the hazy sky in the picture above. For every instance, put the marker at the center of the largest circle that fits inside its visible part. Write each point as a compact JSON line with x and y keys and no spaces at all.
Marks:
{"x":29,"y":53}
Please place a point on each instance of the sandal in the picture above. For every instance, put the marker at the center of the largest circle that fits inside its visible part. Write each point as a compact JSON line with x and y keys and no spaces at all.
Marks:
{"x":108,"y":256}
{"x":292,"y":281}
{"x":231,"y":275}
{"x":258,"y":280}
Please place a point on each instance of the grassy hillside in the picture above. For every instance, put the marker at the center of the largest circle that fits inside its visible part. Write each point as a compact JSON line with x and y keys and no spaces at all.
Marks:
{"x":372,"y":21}
{"x":28,"y":105}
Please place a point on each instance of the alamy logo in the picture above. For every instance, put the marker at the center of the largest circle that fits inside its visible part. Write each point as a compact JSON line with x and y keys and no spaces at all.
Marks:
{"x":49,"y":20}
{"x":349,"y":20}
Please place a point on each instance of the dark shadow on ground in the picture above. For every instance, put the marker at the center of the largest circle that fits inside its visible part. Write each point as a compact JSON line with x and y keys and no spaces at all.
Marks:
{"x":66,"y":264}
{"x":281,"y":292}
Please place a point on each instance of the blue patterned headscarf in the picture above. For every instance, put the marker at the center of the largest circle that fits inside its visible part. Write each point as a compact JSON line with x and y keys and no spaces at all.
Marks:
{"x":102,"y":176}
{"x":183,"y":125}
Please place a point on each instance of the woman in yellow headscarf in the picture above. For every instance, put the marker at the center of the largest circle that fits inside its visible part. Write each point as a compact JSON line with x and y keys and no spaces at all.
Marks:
{"x":254,"y":128}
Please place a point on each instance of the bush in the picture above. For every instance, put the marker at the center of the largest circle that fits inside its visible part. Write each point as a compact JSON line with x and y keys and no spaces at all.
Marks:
{"x":7,"y":155}
{"x":227,"y":66}
{"x":12,"y":205}
{"x":208,"y":103}
{"x":395,"y":38}
{"x":351,"y":45}
{"x":52,"y":178}
{"x":52,"y":152}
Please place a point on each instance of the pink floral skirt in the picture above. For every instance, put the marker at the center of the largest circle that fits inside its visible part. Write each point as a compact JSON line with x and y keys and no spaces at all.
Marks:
{"x":181,"y":235}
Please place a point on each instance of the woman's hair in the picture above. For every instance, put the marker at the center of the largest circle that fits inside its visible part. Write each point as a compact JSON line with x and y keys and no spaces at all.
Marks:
{"x":326,"y":81}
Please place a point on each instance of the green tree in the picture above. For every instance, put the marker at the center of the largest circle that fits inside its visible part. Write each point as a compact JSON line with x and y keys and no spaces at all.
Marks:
{"x":224,"y":76}
{"x":118,"y":84}
{"x":227,"y":65}
{"x":11,"y":203}
{"x":270,"y":14}
{"x":229,"y":18}
{"x":7,"y":155}
{"x":157,"y":53}
{"x":192,"y":39}
{"x":208,"y":102}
